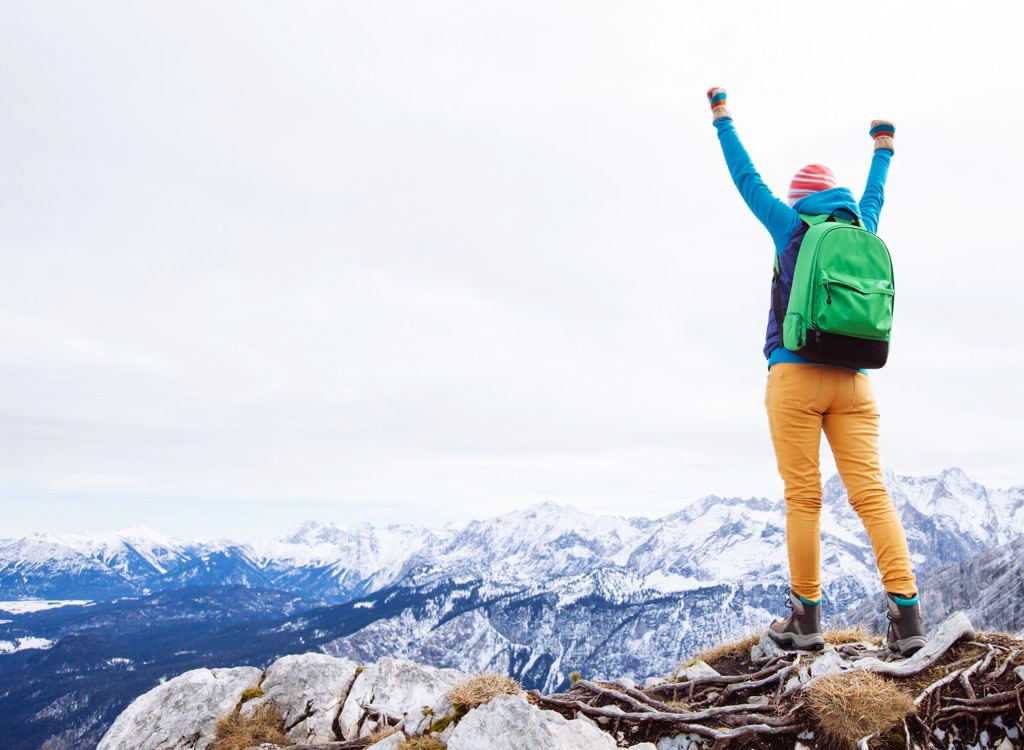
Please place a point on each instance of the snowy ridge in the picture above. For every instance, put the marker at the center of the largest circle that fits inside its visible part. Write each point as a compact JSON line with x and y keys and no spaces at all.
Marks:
{"x":547,"y":547}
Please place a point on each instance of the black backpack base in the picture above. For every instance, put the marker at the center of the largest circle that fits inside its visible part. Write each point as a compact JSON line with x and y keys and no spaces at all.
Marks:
{"x":837,"y":350}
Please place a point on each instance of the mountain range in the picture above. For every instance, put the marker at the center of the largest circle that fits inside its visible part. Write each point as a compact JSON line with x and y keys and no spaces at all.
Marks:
{"x":536,"y":594}
{"x":713,"y":541}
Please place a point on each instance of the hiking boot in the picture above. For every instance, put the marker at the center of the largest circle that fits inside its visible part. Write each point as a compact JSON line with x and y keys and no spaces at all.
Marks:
{"x":906,"y":633}
{"x":802,"y":629}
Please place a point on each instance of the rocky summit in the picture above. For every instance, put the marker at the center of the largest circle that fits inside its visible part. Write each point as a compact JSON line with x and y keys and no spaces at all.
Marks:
{"x":963,"y":690}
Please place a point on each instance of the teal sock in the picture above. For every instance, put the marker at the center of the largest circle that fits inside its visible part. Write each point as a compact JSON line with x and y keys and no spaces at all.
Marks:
{"x":905,"y":602}
{"x":808,"y":601}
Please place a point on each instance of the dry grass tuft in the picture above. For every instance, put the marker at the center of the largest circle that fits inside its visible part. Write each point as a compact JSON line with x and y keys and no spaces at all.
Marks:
{"x":250,"y":694}
{"x":237,"y":732}
{"x":422,"y":743}
{"x":725,"y":653}
{"x":479,"y":689}
{"x":853,"y":634}
{"x":381,"y":734}
{"x":999,"y":639}
{"x":851,"y":705}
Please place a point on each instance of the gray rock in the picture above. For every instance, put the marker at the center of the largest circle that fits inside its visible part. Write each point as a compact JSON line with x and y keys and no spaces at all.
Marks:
{"x":686,"y":741}
{"x":593,"y":722}
{"x":442,"y":711}
{"x":766,"y":648}
{"x":829,"y":662}
{"x":309,"y":690}
{"x":390,"y":692}
{"x":521,"y":726}
{"x":698,"y":670}
{"x":182,"y":713}
{"x":391,"y":742}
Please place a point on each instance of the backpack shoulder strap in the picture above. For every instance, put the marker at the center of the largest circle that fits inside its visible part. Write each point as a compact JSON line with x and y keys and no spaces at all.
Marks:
{"x":840,"y":215}
{"x":777,"y":309}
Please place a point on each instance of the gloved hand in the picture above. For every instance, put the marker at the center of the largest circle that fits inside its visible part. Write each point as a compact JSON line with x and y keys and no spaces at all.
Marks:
{"x":883,"y":132}
{"x":716,"y":96}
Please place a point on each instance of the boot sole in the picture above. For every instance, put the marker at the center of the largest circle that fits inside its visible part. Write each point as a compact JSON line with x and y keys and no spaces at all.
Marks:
{"x":798,"y":642}
{"x":908,"y":646}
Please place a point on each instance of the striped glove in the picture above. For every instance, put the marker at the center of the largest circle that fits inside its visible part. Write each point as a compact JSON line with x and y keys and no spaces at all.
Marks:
{"x":716,"y":96}
{"x":883,"y":132}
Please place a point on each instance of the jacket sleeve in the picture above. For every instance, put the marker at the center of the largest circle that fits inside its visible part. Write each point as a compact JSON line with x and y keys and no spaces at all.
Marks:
{"x":874,"y":192}
{"x":777,"y":217}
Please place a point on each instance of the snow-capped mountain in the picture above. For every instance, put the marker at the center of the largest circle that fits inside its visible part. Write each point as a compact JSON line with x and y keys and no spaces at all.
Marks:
{"x":711,"y":542}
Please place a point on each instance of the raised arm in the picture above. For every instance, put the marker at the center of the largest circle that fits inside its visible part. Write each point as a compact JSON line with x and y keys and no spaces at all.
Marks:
{"x":774,"y":214}
{"x":871,"y":202}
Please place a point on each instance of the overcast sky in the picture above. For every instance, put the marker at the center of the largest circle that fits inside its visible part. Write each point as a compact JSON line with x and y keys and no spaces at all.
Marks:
{"x":433,"y":261}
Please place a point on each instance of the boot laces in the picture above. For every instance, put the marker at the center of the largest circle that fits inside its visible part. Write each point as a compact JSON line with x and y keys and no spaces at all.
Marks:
{"x":892,"y":623}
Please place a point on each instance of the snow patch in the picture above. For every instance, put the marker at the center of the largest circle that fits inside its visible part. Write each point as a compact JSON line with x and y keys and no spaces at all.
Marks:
{"x":21,"y":644}
{"x":22,"y":606}
{"x":668,"y":583}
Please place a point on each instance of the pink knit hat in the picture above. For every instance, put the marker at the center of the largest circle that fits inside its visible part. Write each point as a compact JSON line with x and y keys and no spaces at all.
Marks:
{"x":811,"y":179}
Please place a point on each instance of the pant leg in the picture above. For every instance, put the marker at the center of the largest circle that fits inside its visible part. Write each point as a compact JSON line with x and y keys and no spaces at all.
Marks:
{"x":851,"y":427}
{"x":794,"y":398}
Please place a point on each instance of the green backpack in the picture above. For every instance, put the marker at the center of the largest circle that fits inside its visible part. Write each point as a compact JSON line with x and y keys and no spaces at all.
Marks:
{"x":841,"y":301}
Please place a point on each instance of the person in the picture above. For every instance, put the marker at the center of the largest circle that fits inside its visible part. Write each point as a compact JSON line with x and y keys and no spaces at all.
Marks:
{"x":804,"y":399}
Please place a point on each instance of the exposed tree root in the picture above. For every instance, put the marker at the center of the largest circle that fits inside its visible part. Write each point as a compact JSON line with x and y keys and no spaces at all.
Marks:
{"x":959,"y":689}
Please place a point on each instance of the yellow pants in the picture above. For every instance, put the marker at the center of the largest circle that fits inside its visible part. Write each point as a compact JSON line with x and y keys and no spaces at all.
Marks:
{"x":802,"y":401}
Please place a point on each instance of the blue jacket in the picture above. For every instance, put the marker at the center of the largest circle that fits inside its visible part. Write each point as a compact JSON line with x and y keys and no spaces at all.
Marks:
{"x":783,"y":221}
